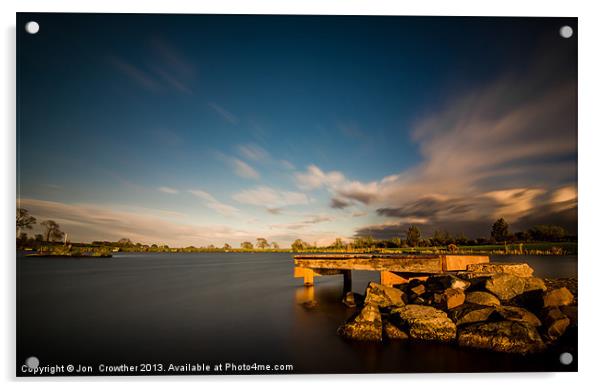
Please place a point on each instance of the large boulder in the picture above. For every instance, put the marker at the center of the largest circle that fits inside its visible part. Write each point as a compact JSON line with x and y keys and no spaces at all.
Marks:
{"x":449,"y":298}
{"x":383,"y":296}
{"x":393,"y":332}
{"x":502,"y":336}
{"x":505,"y":286}
{"x":518,"y":314}
{"x":558,"y":297}
{"x":516,"y":269}
{"x":555,"y":323}
{"x":425,"y":322}
{"x":482,"y":298}
{"x":444,"y":281}
{"x":469,"y":313}
{"x":534,"y":284}
{"x":366,"y":326}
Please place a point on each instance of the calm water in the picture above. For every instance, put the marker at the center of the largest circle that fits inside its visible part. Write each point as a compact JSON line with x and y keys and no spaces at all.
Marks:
{"x":225,"y":307}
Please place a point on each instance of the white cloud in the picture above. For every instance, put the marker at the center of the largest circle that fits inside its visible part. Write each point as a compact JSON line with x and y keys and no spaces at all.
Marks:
{"x":244,"y":170}
{"x":214,"y":204}
{"x":168,"y":190}
{"x":270,"y":198}
{"x":314,"y":178}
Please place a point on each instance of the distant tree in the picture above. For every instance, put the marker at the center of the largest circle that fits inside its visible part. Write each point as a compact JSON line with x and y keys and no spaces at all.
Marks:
{"x":338,"y":244}
{"x":547,"y":233}
{"x":461,"y":239}
{"x":299,"y":245}
{"x":262,"y":243}
{"x":227,"y":247}
{"x":275,"y":245}
{"x":246,"y":245}
{"x":39,"y":238}
{"x":52,"y":230}
{"x":413,"y":235}
{"x":23,"y":237}
{"x":125,"y":242}
{"x":441,"y":237}
{"x":500,"y":230}
{"x":396,"y":242}
{"x":24,"y":220}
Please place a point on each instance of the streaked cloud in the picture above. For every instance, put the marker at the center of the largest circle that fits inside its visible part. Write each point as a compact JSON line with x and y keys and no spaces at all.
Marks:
{"x":223,"y":113}
{"x":162,"y":68}
{"x":270,"y":198}
{"x":85,"y":222}
{"x":253,"y":152}
{"x":214,"y":204}
{"x":244,"y":170}
{"x":168,"y":190}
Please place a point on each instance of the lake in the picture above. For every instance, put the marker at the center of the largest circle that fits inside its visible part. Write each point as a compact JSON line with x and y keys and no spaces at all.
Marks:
{"x":225,"y":308}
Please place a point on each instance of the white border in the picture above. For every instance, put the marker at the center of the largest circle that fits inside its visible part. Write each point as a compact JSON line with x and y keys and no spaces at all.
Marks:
{"x":590,"y":196}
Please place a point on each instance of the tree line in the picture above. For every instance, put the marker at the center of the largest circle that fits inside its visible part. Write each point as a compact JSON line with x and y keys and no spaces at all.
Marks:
{"x":500,"y":233}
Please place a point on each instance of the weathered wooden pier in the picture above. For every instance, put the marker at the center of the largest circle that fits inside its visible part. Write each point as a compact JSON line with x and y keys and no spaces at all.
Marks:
{"x":394,"y":269}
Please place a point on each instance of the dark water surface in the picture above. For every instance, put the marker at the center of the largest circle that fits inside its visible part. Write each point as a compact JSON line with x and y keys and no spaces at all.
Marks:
{"x":225,"y":307}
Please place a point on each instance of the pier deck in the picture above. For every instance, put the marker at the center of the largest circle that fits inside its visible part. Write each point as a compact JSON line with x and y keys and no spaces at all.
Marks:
{"x":394,"y":269}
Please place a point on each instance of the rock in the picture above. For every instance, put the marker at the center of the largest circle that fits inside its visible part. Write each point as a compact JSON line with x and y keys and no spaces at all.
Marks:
{"x":534,"y":284}
{"x":469,"y":313}
{"x":418,"y":290}
{"x":310,"y":304}
{"x":516,"y":269}
{"x":445,"y":281}
{"x":505,"y":286}
{"x":349,"y":299}
{"x":531,"y":300}
{"x":383,"y":296}
{"x":366,"y":326}
{"x":558,"y":297}
{"x":518,"y":314}
{"x":425,"y":323}
{"x":571,"y":313}
{"x":570,"y":283}
{"x":555,"y":323}
{"x":482,"y":298}
{"x":503,"y":336}
{"x":392,"y":332}
{"x":450,"y":298}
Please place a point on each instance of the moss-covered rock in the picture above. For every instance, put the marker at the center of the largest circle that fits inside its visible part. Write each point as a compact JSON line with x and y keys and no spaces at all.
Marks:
{"x":425,"y":323}
{"x":502,"y":336}
{"x":365,"y":326}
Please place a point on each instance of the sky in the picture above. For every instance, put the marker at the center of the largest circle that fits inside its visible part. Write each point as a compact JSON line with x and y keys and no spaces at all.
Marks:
{"x":212,"y":129}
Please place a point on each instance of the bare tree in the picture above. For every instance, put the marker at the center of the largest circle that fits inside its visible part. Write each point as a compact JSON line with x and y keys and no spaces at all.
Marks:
{"x":24,"y":220}
{"x":53,"y":231}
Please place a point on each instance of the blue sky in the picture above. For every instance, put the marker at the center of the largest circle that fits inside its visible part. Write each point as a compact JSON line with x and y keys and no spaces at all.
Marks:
{"x":206,"y":129}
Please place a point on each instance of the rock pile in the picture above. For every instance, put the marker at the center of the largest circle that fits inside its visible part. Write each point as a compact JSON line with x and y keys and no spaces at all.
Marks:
{"x":495,"y":306}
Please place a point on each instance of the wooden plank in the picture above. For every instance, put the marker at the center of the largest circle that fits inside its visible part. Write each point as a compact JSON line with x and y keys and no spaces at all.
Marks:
{"x":410,"y":264}
{"x":460,"y":262}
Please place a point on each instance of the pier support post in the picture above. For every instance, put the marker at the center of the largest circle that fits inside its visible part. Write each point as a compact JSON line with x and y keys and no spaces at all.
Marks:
{"x":306,"y":273}
{"x":346,"y":281}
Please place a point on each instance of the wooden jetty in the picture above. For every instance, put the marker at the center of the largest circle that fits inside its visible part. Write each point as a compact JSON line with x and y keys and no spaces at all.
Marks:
{"x":394,"y":269}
